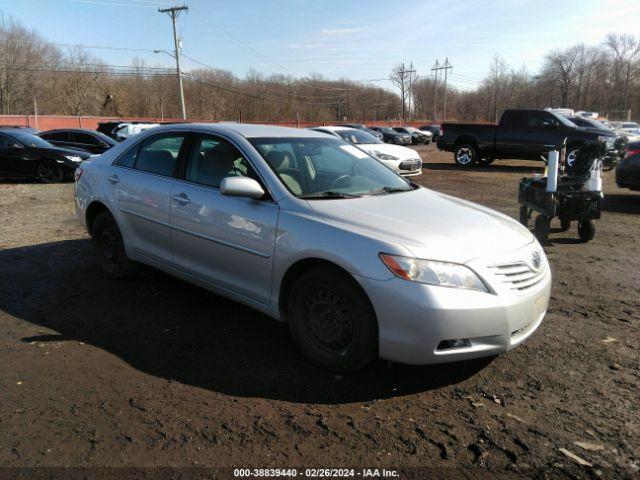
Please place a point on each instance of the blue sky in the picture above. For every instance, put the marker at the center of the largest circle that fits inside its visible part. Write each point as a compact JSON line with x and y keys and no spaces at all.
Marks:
{"x":360,"y":40}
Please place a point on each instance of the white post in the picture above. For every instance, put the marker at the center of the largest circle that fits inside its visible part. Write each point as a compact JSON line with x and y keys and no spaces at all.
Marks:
{"x":552,"y":171}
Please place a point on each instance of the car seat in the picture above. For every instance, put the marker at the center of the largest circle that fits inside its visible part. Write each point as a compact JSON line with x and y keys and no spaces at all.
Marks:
{"x":279,"y":161}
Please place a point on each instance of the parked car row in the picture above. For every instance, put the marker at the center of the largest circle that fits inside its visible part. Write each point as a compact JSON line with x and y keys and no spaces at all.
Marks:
{"x":402,"y":160}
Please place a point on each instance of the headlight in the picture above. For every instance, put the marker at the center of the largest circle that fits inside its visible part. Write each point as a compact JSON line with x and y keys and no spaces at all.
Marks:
{"x":73,"y":158}
{"x":383,"y":156}
{"x":433,"y":273}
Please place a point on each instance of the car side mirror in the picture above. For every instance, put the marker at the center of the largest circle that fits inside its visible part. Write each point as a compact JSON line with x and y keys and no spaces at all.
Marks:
{"x":16,"y":145}
{"x":549,"y":125}
{"x":241,"y":187}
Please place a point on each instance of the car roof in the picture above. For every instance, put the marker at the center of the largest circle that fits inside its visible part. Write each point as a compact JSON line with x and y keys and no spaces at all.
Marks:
{"x":247,"y":130}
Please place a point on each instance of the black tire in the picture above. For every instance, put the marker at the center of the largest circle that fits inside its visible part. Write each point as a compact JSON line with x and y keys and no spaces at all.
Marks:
{"x":48,"y":171}
{"x":110,"y":251}
{"x":586,"y":230}
{"x":331,"y":320}
{"x":542,"y":228}
{"x":465,"y":155}
{"x":565,"y":224}
{"x":485,"y":162}
{"x":524,"y":215}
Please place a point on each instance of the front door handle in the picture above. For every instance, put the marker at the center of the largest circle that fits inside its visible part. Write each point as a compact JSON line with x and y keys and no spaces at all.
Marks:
{"x":114,"y":179}
{"x":182,"y":199}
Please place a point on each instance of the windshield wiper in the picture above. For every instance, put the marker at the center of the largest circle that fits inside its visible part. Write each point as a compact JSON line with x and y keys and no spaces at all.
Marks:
{"x":387,"y":189}
{"x":329,"y":194}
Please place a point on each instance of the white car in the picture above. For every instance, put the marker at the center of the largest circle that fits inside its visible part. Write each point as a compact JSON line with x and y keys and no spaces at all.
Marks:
{"x":402,"y":160}
{"x":127,"y":130}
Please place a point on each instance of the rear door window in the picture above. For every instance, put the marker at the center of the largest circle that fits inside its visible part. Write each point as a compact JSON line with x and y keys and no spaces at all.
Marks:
{"x":85,"y":139}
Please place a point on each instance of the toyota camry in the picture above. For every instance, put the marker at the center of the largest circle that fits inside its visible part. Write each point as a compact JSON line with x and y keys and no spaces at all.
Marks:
{"x":311,"y":230}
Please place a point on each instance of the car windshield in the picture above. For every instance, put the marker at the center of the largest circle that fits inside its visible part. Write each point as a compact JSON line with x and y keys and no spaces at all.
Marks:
{"x":29,"y":140}
{"x":595,"y":123}
{"x":357,"y":137}
{"x":630,"y":125}
{"x":387,"y":130}
{"x":327,"y":168}
{"x":563,"y":120}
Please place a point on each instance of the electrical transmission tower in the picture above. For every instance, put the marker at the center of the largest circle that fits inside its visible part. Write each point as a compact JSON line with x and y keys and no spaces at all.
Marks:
{"x":446,"y":66}
{"x":174,"y":12}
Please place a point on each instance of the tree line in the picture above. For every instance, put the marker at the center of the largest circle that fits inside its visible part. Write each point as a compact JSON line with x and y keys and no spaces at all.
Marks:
{"x":35,"y":74}
{"x":603,"y":78}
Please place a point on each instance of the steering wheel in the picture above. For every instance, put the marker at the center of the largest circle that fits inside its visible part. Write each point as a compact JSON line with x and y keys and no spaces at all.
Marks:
{"x":345,"y":179}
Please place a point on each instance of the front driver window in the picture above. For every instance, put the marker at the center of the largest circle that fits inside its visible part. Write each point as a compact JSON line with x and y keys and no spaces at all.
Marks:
{"x":213,"y":159}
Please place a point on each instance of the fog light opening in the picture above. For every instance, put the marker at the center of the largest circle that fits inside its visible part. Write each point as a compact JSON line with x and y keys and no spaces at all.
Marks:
{"x":457,"y":343}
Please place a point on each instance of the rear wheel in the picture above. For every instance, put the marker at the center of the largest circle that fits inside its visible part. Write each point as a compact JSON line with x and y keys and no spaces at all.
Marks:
{"x":331,"y":320}
{"x":565,"y":224}
{"x":586,"y":230}
{"x":465,"y":154}
{"x":48,"y":171}
{"x":107,"y":241}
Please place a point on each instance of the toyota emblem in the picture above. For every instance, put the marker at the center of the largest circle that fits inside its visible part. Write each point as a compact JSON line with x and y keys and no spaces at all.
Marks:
{"x":535,"y":259}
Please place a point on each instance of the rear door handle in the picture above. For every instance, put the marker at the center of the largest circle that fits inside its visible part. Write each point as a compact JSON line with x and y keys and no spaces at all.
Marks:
{"x":182,"y":199}
{"x":114,"y":179}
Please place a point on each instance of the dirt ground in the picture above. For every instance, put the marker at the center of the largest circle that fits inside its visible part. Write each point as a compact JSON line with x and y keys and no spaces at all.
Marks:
{"x":153,"y":372}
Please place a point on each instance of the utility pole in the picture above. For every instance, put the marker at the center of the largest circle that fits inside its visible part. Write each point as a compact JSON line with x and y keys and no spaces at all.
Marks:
{"x":174,"y":12}
{"x":447,"y":67}
{"x":435,"y":68}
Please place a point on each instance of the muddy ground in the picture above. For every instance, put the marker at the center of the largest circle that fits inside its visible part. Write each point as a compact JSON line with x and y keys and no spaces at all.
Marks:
{"x":151,"y":371}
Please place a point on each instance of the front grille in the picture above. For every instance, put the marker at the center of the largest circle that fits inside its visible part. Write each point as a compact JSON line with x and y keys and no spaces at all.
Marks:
{"x":413,"y":164}
{"x":519,"y":276}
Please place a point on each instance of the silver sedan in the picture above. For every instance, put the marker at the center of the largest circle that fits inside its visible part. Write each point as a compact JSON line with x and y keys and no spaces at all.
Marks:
{"x":360,"y":262}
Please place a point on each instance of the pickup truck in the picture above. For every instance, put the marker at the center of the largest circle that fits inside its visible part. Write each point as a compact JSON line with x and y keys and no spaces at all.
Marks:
{"x":521,"y":134}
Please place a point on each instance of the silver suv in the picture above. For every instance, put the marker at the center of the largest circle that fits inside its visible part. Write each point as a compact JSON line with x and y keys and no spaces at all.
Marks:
{"x":311,"y":230}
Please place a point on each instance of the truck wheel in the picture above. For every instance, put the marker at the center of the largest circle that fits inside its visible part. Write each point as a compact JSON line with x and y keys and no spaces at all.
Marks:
{"x":542,"y":228}
{"x":565,"y":224}
{"x":524,"y":215}
{"x":484,"y":162}
{"x":331,"y":320}
{"x":586,"y":230}
{"x":465,"y":155}
{"x":572,"y":153}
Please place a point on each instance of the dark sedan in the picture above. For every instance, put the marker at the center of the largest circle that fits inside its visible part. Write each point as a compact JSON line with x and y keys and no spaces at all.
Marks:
{"x":389,"y":135}
{"x":362,"y":127}
{"x":628,"y":171}
{"x":434,"y":129}
{"x":417,"y":137}
{"x":23,"y":155}
{"x":88,"y":140}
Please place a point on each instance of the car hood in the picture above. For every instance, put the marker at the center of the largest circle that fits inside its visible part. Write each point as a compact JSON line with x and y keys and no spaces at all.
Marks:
{"x":401,"y":153}
{"x":430,"y":224}
{"x":599,"y":131}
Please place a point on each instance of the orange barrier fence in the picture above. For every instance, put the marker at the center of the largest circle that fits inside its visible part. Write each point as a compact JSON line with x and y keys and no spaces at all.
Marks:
{"x":50,"y":122}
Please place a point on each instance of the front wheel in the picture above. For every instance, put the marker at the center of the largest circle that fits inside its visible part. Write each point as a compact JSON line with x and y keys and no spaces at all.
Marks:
{"x":542,"y":228}
{"x":524,"y":215}
{"x":331,"y":320}
{"x":465,"y":155}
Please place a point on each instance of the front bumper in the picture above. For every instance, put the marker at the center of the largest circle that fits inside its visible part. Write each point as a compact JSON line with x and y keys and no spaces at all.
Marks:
{"x":414,"y":319}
